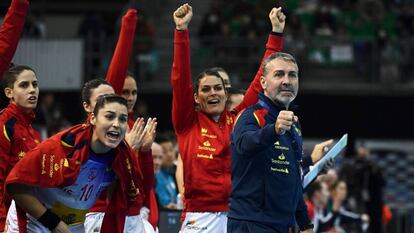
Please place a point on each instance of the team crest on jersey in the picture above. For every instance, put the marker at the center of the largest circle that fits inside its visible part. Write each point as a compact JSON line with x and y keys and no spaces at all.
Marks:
{"x":92,"y":174}
{"x":21,"y":154}
{"x":229,"y":120}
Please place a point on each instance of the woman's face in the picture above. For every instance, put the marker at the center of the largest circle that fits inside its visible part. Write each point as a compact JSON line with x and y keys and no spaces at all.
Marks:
{"x":110,"y":125}
{"x":25,"y":91}
{"x":341,"y":191}
{"x":211,"y":96}
{"x":129,"y":92}
{"x":102,"y":89}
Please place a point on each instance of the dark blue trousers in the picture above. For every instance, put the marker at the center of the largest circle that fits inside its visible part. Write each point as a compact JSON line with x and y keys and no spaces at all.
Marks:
{"x":242,"y":226}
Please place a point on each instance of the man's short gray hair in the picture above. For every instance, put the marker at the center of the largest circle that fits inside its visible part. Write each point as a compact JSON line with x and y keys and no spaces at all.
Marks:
{"x":279,"y":55}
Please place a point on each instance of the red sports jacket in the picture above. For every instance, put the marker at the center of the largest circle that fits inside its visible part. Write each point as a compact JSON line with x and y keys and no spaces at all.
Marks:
{"x":55,"y":163}
{"x":118,"y":68}
{"x":17,"y":137}
{"x":10,"y":32}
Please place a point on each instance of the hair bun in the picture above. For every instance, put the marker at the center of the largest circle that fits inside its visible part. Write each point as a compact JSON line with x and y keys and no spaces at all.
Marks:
{"x":11,"y":65}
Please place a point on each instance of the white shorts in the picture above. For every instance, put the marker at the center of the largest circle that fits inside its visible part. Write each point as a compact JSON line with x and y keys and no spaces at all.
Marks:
{"x":93,"y":221}
{"x":133,"y":224}
{"x":33,"y":226}
{"x":148,"y":227}
{"x":205,"y":222}
{"x":12,"y":225}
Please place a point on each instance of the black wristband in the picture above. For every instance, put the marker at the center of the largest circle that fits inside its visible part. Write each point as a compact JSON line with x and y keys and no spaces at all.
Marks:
{"x":49,"y":220}
{"x":303,"y":228}
{"x":276,"y":33}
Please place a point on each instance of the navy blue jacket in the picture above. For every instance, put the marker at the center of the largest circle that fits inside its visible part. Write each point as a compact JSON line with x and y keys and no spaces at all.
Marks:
{"x":266,"y":171}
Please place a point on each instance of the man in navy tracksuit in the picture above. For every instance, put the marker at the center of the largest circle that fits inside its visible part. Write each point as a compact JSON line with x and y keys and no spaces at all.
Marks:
{"x":267,"y":157}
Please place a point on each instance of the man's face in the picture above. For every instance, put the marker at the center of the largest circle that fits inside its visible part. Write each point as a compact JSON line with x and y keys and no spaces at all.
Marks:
{"x":129,"y":92}
{"x":211,"y":96}
{"x":157,"y":156}
{"x":168,"y":150}
{"x":363,"y":152}
{"x":281,"y":82}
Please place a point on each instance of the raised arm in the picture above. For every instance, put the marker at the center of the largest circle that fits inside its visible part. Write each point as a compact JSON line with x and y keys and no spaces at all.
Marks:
{"x":119,"y":64}
{"x":183,"y":111}
{"x":274,"y":44}
{"x":10,"y":32}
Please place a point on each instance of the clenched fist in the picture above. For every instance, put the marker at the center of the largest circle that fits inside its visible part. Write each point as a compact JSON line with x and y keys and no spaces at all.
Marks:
{"x":278,"y":19}
{"x":182,"y":16}
{"x":284,"y":121}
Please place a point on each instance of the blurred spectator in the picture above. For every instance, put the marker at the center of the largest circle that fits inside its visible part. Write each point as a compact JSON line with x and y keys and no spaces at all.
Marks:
{"x":405,"y":23}
{"x":405,"y":29}
{"x":211,"y":25}
{"x":345,"y":221}
{"x":35,"y":27}
{"x":146,"y":57}
{"x":366,"y":183}
{"x":170,"y":160}
{"x":165,"y":187}
{"x":356,"y":33}
{"x":326,"y":209}
{"x":235,"y":97}
{"x":49,"y":116}
{"x":93,"y":31}
{"x":142,"y":109}
{"x":389,"y":59}
{"x":330,"y":178}
{"x":317,"y":200}
{"x":325,"y":19}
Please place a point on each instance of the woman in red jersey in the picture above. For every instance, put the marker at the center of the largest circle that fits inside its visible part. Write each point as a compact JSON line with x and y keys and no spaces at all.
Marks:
{"x":148,"y":206}
{"x":203,"y":132}
{"x":138,"y":139}
{"x":17,"y":135}
{"x":69,"y":170}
